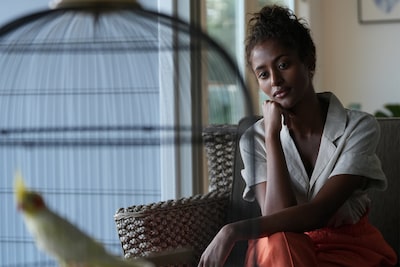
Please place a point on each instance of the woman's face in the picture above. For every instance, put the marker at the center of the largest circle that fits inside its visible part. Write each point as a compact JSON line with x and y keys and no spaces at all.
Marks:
{"x":281,"y":74}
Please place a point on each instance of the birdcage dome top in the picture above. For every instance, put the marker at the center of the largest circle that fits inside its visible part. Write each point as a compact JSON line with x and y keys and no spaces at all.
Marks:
{"x":83,"y":3}
{"x":84,"y":58}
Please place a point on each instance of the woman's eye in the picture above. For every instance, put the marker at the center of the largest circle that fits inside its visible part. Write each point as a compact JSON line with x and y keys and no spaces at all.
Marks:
{"x":262,"y":75}
{"x":283,"y":65}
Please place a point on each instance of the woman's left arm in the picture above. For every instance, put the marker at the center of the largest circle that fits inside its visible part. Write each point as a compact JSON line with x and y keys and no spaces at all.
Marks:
{"x":300,"y":218}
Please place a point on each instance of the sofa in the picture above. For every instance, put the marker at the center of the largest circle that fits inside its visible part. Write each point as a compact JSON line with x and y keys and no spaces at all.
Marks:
{"x":191,"y":222}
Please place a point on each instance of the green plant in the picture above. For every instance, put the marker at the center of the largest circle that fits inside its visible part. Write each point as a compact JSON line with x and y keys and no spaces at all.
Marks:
{"x":391,"y":110}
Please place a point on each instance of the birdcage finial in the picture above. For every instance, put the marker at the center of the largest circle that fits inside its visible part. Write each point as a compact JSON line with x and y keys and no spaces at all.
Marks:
{"x":84,"y":3}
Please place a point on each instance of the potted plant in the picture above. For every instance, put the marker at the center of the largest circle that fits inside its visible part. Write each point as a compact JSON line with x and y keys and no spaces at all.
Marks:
{"x":391,"y":110}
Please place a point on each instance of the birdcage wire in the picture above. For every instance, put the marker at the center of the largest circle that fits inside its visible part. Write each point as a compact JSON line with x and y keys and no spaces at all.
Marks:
{"x":56,"y":37}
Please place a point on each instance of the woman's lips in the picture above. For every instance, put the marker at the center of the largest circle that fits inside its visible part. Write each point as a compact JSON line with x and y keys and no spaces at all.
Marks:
{"x":281,"y":93}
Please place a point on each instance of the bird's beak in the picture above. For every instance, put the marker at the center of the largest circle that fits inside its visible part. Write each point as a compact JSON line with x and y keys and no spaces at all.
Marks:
{"x":19,"y":188}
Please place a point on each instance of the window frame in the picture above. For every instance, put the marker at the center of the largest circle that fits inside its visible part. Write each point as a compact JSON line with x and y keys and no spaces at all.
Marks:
{"x":186,"y":177}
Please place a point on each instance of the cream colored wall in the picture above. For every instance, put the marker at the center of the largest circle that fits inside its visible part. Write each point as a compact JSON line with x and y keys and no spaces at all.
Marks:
{"x":360,"y":63}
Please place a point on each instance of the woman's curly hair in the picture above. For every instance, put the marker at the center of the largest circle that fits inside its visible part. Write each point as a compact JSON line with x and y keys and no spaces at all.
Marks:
{"x":281,"y":24}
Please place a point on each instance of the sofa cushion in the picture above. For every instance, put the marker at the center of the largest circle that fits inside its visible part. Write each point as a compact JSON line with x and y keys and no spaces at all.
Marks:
{"x":385,"y":205}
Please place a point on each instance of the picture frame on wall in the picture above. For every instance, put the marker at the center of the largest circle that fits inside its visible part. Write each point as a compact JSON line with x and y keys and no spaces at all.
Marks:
{"x":378,"y":11}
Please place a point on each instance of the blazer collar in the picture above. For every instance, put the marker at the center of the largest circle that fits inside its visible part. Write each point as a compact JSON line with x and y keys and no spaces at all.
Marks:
{"x":336,"y":118}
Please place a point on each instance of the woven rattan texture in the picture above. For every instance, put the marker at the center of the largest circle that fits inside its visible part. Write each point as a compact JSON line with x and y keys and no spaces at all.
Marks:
{"x":219,"y":142}
{"x":188,"y":222}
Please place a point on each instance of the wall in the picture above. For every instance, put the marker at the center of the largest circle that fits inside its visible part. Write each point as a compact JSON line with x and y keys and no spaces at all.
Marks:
{"x":358,"y":62}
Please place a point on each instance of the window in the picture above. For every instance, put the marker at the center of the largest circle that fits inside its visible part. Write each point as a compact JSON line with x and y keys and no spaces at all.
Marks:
{"x":86,"y":183}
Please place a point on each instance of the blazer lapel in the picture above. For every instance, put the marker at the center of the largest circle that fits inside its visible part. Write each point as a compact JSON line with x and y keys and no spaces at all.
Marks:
{"x":335,"y":126}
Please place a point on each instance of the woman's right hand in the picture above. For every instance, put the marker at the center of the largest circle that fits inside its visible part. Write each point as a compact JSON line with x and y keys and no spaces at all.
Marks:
{"x":272,"y":113}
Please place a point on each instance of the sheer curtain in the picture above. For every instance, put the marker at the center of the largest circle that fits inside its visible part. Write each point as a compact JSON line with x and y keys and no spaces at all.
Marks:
{"x":82,"y":126}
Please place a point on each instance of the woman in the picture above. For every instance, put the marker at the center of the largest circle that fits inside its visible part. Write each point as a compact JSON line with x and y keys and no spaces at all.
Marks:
{"x":309,"y":165}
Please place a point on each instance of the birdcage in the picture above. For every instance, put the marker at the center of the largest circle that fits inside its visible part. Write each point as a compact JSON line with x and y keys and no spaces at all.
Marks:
{"x":102,"y":105}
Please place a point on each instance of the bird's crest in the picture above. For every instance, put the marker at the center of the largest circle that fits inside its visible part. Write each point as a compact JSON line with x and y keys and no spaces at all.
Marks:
{"x":19,"y":186}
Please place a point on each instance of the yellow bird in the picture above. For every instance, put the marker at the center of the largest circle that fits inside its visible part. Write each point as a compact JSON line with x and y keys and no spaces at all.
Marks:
{"x":62,"y":240}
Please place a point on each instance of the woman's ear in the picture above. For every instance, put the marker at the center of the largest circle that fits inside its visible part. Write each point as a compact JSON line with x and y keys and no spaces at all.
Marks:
{"x":311,"y":73}
{"x":311,"y":68}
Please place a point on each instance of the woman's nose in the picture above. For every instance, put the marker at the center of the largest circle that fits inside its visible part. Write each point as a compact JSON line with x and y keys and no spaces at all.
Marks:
{"x":276,"y":78}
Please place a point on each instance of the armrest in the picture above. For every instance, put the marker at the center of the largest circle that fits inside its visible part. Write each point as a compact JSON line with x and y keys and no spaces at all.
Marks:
{"x":190,"y":222}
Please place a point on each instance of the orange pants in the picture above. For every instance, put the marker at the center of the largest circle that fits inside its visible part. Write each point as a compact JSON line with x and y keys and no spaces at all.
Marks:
{"x":355,"y":245}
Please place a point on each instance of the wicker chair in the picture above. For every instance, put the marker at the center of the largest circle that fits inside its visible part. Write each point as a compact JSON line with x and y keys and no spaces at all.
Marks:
{"x":188,"y":222}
